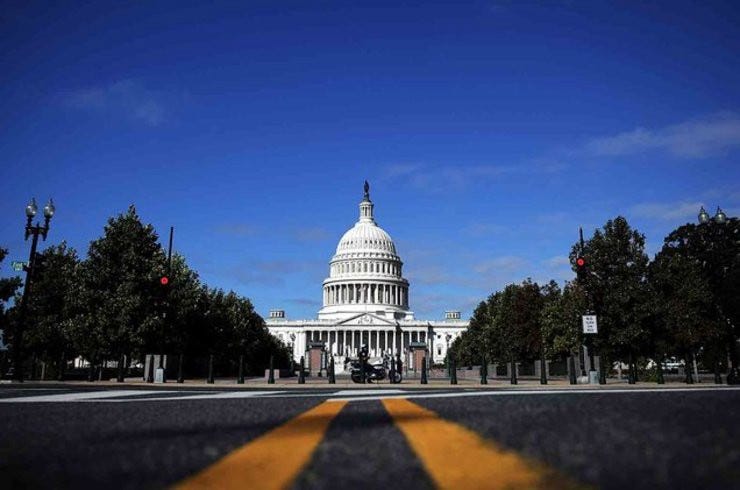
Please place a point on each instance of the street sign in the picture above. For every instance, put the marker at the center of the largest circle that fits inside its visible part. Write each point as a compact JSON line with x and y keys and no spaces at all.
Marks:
{"x":589,"y":324}
{"x":17,"y":265}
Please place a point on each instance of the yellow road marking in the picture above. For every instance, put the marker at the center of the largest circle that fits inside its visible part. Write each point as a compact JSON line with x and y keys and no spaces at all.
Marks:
{"x":457,"y":458}
{"x":273,"y":460}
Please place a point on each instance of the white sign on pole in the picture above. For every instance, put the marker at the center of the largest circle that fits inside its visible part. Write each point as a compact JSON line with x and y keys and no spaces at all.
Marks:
{"x":589,"y":324}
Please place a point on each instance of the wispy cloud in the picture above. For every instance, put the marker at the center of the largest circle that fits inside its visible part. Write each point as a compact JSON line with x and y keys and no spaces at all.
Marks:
{"x":445,"y":178}
{"x":127,"y":99}
{"x":696,"y":138}
{"x":672,"y":211}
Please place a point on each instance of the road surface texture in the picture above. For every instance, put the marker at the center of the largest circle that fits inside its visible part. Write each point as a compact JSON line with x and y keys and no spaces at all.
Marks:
{"x":61,"y":436}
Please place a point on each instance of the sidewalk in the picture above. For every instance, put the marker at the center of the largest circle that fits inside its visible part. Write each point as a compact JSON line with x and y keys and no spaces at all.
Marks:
{"x":316,"y":383}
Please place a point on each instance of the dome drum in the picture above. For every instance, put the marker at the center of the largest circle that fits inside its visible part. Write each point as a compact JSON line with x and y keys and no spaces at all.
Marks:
{"x":365,"y":273}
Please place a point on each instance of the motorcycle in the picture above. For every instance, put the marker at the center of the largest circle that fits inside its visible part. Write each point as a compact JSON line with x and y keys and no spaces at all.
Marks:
{"x":375,"y":369}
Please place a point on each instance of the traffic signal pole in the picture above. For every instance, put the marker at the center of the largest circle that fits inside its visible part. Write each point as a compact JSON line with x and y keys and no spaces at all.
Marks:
{"x":166,"y":305}
{"x":582,"y":271}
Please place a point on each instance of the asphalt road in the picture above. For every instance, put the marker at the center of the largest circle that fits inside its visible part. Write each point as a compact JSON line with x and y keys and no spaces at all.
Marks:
{"x":89,"y":438}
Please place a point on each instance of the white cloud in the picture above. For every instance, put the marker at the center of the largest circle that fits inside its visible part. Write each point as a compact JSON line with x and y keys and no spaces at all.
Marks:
{"x":445,"y":178}
{"x":667,"y":211}
{"x":690,"y":139}
{"x":123,"y":99}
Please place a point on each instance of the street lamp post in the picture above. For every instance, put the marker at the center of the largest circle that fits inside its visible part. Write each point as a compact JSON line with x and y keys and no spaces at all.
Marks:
{"x":717,"y":226}
{"x":35,"y":231}
{"x":448,"y":337}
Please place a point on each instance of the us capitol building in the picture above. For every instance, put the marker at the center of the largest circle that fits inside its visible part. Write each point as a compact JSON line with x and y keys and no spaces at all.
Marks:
{"x":366,"y":301}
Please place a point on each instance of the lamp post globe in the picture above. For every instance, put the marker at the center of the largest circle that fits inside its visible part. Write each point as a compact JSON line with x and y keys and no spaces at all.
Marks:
{"x":49,"y":209}
{"x":703,"y":216}
{"x":31,"y":208}
{"x":720,"y":217}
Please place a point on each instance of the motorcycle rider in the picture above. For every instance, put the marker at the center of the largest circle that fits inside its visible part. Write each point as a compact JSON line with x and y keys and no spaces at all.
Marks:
{"x":365,"y":368}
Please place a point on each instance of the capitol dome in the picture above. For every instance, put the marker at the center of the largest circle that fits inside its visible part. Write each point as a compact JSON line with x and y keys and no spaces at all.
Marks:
{"x":365,"y":273}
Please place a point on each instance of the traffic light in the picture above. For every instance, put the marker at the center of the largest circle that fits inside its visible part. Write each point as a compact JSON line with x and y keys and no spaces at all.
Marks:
{"x":164,"y":281}
{"x":581,"y":267}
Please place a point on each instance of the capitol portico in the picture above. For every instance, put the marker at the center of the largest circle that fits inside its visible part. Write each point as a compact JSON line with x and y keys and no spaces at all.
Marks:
{"x":366,"y":301}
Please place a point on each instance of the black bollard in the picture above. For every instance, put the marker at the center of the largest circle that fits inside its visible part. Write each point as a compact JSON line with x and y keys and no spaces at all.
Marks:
{"x":91,"y":373}
{"x":543,"y":369}
{"x":62,"y":367}
{"x":121,"y":362}
{"x":424,"y":370}
{"x":180,"y":374}
{"x":392,"y":375}
{"x":399,"y":365}
{"x":602,"y":369}
{"x":301,"y":373}
{"x":453,"y":370}
{"x":240,"y":378}
{"x":150,"y":371}
{"x":717,"y":375}
{"x":484,"y":372}
{"x":210,"y":379}
{"x":332,"y":378}
{"x":659,"y":372}
{"x":572,"y":373}
{"x":271,"y":376}
{"x":514,"y":379}
{"x":631,"y":379}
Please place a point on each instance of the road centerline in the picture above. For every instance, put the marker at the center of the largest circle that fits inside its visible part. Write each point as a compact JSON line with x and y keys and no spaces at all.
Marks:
{"x":273,"y":460}
{"x":456,"y":457}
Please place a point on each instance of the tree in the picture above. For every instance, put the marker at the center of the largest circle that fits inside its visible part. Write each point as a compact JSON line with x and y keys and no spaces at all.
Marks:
{"x":616,"y":288}
{"x":561,"y":320}
{"x":50,"y":312}
{"x":715,"y":249}
{"x":507,"y":326}
{"x":116,"y":292}
{"x":8,"y":288}
{"x":689,"y":318}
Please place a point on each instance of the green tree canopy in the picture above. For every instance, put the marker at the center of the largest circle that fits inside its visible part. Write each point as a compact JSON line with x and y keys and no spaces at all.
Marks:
{"x":616,"y":288}
{"x":117,"y":288}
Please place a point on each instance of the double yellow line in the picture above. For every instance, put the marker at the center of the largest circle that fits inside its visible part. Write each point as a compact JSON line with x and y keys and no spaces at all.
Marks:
{"x":454,"y":457}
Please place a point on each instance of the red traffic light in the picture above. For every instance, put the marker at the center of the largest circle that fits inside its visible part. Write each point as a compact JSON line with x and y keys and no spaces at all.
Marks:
{"x":580,"y":262}
{"x":164,"y":280}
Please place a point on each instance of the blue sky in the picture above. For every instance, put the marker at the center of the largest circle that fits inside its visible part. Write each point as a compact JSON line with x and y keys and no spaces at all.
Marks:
{"x":489,"y":131}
